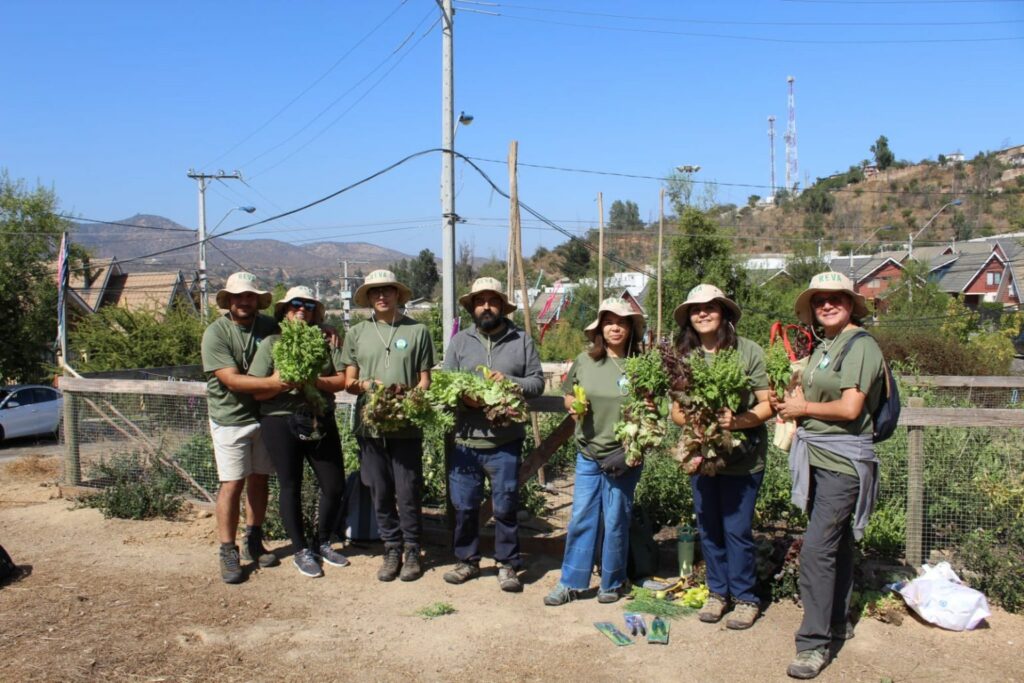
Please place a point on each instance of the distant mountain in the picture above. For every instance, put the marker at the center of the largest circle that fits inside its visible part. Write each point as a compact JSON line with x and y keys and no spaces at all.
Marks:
{"x":142,"y":235}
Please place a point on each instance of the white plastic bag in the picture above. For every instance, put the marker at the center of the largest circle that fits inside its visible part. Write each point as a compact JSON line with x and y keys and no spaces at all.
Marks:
{"x":940,"y":598}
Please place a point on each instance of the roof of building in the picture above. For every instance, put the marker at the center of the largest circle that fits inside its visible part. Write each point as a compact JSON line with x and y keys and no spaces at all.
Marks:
{"x":147,"y":291}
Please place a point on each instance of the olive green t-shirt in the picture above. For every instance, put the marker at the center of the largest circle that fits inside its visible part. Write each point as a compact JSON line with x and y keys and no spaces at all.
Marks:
{"x":227,"y":345}
{"x":391,"y":354}
{"x":289,"y":402}
{"x":607,"y":388}
{"x":749,"y":457}
{"x":862,"y":368}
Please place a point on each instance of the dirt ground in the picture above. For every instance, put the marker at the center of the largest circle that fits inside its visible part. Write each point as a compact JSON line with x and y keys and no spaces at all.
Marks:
{"x":110,"y":599}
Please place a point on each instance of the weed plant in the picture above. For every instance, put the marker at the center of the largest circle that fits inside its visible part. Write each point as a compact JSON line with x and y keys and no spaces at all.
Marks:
{"x":136,"y":486}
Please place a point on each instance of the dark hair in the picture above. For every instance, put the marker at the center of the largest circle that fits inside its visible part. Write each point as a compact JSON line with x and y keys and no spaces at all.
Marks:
{"x":599,"y":351}
{"x":687,"y":341}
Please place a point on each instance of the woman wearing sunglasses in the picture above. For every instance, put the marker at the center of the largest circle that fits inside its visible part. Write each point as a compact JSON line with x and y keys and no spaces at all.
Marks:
{"x":832,"y":460}
{"x":293,"y":434}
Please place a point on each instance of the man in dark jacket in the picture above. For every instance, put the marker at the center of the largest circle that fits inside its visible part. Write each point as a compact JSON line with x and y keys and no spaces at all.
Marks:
{"x":481,"y":449}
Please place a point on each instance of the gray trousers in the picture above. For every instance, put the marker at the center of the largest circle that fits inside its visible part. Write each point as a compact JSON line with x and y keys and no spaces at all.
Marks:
{"x":826,"y":559}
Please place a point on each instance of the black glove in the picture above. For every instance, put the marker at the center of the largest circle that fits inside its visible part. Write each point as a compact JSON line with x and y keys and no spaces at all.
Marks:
{"x":614,"y":464}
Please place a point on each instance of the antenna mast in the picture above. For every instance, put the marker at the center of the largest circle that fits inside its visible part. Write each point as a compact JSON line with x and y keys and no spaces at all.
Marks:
{"x":771,"y":149}
{"x":792,"y":174}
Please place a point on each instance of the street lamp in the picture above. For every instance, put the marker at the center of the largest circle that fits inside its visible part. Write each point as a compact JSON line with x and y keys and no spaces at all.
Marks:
{"x":853,"y":249}
{"x":202,"y":255}
{"x":913,"y":236}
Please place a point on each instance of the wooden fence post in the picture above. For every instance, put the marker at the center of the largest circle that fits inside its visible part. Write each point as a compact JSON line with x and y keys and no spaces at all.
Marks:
{"x":72,"y":459}
{"x":915,"y":490}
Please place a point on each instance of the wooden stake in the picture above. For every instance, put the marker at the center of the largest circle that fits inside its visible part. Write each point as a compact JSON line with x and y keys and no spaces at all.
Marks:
{"x":600,"y":249}
{"x":661,"y":234}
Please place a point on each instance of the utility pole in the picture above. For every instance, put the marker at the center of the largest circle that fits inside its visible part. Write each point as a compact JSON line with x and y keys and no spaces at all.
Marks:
{"x":792,"y":174}
{"x":600,"y":248}
{"x":448,"y":216}
{"x":346,"y":291}
{"x":661,"y":234}
{"x":201,"y":178}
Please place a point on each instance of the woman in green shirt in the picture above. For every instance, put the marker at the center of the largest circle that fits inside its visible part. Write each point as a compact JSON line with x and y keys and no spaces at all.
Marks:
{"x":832,"y":460}
{"x":604,"y":484}
{"x":293,"y":434}
{"x":724,"y":502}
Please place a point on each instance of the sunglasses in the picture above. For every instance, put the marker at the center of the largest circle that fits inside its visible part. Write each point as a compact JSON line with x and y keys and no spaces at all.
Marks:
{"x":831,"y":299}
{"x":299,"y":303}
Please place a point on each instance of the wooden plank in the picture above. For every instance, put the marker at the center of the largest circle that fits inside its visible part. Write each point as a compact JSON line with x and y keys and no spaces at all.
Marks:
{"x":966,"y":381}
{"x":132,"y":386}
{"x":961,"y":417}
{"x":915,"y":490}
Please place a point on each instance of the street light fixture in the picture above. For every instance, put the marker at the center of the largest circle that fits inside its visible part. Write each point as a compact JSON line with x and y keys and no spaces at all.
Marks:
{"x":247,"y":209}
{"x":913,"y":236}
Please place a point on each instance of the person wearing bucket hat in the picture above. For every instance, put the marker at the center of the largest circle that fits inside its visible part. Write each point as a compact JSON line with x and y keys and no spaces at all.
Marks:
{"x":295,"y":432}
{"x":228,"y":347}
{"x":604,"y":483}
{"x":832,"y":461}
{"x":390,"y":348}
{"x":724,"y":500}
{"x":493,"y":342}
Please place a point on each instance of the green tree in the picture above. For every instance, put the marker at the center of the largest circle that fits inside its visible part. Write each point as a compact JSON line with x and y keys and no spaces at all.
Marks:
{"x":624,"y":216}
{"x":574,"y":259}
{"x":962,"y":230}
{"x":423,"y":275}
{"x":116,"y":338}
{"x":884,"y":156}
{"x":30,"y":232}
{"x":700,"y":253}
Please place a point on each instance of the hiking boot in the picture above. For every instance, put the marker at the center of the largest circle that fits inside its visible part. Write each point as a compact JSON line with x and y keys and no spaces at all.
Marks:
{"x":843,"y":631}
{"x":463,"y":572}
{"x":332,"y":556}
{"x":713,"y":609}
{"x":411,"y":569}
{"x":392,"y":562}
{"x":305,"y":562}
{"x":559,"y":595}
{"x":253,"y":550}
{"x":508,"y":579}
{"x":609,"y":596}
{"x":808,"y":663}
{"x":230,"y":567}
{"x":742,"y":616}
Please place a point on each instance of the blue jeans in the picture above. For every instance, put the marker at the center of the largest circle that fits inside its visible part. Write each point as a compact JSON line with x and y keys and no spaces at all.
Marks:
{"x":599,"y":499}
{"x":725,"y":514}
{"x":466,"y":486}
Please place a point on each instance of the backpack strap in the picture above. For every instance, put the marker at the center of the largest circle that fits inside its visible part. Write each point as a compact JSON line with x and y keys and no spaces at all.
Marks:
{"x":838,"y":364}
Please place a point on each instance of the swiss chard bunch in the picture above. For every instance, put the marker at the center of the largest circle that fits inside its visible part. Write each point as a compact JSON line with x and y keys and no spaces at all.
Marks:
{"x":642,"y":423}
{"x":502,"y":401}
{"x":299,"y":356}
{"x":779,"y":369}
{"x":702,"y":388}
{"x":387,"y":407}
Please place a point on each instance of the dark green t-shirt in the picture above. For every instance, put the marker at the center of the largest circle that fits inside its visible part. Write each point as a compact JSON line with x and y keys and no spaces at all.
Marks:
{"x":391,"y":354}
{"x":749,"y":458}
{"x":862,"y":368}
{"x":289,"y":402}
{"x":227,"y":345}
{"x":607,"y":388}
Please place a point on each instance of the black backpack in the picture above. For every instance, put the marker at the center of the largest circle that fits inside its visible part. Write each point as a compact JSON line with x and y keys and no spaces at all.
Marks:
{"x":887,"y":414}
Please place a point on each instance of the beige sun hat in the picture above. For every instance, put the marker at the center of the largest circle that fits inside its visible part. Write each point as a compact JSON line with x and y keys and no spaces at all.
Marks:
{"x":300,"y":292}
{"x":619,"y":307}
{"x":829,"y":281}
{"x":486,"y":284}
{"x":239,"y":283}
{"x":702,"y":294}
{"x":381,"y":278}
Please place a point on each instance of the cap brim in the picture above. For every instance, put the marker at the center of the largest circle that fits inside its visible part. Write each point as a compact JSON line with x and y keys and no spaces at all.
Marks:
{"x":803,"y":311}
{"x":263,"y":299}
{"x":682,"y":312}
{"x":361,"y":298}
{"x":466,"y":301}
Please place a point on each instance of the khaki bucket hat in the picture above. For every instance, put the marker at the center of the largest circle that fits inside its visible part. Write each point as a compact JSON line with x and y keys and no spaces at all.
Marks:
{"x":381,"y":278}
{"x":486,"y":284}
{"x":239,"y":283}
{"x":281,"y":307}
{"x":830,"y":281}
{"x":619,"y":307}
{"x":702,"y":294}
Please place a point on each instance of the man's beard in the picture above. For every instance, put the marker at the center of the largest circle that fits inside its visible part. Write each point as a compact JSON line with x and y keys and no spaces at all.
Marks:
{"x":487,"y":321}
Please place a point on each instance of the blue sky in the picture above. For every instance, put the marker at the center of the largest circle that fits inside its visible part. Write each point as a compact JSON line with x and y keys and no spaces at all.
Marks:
{"x":111,"y":103}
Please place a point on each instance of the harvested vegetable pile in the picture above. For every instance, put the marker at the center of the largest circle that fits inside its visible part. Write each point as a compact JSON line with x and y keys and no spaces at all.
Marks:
{"x":702,"y":388}
{"x":642,"y":425}
{"x":502,"y":402}
{"x":388,"y":407}
{"x":299,"y":356}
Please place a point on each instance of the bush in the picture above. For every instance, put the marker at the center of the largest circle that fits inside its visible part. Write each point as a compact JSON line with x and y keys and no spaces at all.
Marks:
{"x":664,"y":491}
{"x":996,"y":561}
{"x":934,"y":352}
{"x":195,"y":456}
{"x":137,"y":487}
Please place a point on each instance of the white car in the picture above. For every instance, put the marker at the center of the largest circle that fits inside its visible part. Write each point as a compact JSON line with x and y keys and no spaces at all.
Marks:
{"x":28,"y":410}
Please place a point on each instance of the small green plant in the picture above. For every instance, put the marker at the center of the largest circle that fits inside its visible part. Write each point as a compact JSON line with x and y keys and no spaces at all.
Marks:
{"x":436,"y":609}
{"x":137,"y":487}
{"x":995,"y":561}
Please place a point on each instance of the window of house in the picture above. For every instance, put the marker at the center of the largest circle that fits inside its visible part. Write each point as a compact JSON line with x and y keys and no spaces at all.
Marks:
{"x":993,"y":278}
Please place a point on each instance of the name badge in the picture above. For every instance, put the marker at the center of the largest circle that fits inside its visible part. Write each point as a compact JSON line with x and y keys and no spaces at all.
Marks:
{"x":823,"y":363}
{"x":401,"y":344}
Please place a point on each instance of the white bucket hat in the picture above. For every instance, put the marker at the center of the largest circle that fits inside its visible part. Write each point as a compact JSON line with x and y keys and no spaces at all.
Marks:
{"x":381,"y":278}
{"x":619,"y":307}
{"x":829,"y":281}
{"x":486,"y":284}
{"x":702,"y":294}
{"x":280,"y":308}
{"x":239,"y":283}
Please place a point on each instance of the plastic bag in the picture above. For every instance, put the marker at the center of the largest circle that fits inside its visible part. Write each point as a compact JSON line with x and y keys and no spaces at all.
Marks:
{"x":940,"y":598}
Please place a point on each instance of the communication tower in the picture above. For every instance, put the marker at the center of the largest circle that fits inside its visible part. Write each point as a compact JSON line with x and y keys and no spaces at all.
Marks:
{"x":771,"y":149}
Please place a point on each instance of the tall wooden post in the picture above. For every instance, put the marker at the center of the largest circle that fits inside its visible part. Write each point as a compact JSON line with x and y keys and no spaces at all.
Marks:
{"x":600,"y":248}
{"x":72,"y":457}
{"x":661,"y":234}
{"x":915,"y":490}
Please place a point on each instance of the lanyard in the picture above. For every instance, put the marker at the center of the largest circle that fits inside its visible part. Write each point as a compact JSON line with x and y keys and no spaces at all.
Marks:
{"x":387,"y":344}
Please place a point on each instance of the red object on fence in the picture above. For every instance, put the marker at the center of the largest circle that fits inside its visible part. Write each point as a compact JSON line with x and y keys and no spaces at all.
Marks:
{"x":797,"y":347}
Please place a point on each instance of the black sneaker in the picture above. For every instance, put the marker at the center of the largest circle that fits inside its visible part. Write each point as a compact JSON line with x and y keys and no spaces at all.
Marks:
{"x":392,"y":563}
{"x":463,"y":572}
{"x":411,"y":569}
{"x":305,"y":562}
{"x":230,"y":566}
{"x":332,"y":556}
{"x":253,"y":550}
